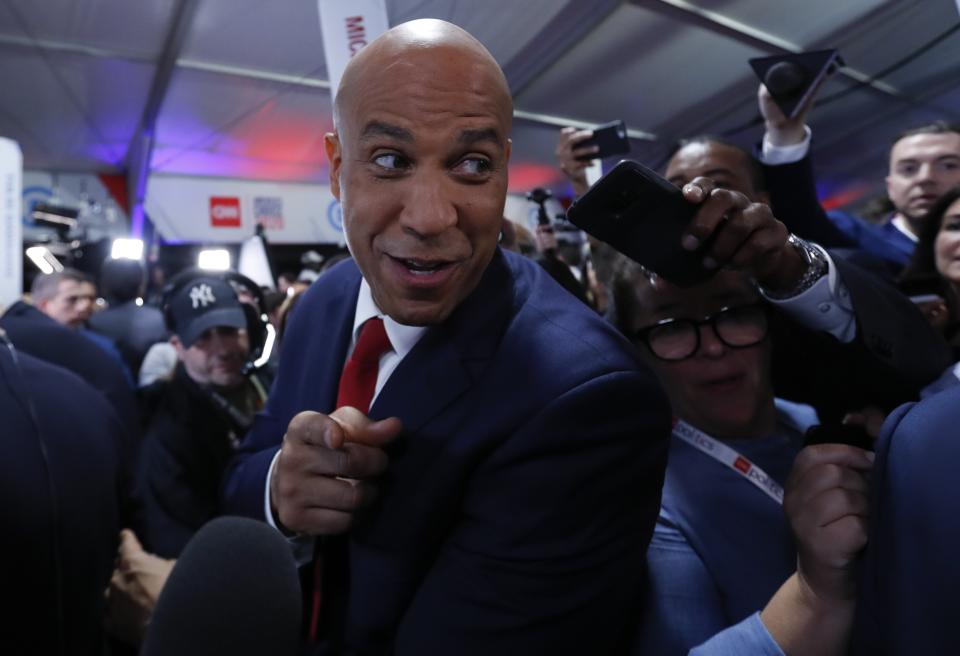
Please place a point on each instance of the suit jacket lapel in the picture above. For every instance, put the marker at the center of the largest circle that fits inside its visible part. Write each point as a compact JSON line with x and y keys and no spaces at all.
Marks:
{"x":333,"y":340}
{"x":449,"y":358}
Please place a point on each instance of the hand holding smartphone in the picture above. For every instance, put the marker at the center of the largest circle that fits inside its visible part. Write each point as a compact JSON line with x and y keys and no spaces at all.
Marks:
{"x":609,"y":138}
{"x":643,"y":216}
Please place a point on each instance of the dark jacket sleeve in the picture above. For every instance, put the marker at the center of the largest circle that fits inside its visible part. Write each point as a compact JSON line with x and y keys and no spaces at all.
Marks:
{"x":895,"y":352}
{"x":181,"y":462}
{"x":911,"y":553}
{"x":172,"y":510}
{"x":793,"y":198}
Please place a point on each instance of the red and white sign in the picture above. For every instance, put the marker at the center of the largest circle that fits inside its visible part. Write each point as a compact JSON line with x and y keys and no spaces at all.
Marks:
{"x":347,"y":26}
{"x":225,"y":211}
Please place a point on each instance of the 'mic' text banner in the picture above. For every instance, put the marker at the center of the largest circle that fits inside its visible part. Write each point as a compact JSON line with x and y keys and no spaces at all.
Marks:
{"x":347,"y":26}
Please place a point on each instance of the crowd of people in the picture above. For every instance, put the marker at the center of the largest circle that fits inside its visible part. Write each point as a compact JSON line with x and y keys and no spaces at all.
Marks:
{"x":464,"y":456}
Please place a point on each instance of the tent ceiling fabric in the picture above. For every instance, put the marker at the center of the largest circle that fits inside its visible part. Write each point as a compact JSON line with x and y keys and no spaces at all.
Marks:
{"x":248,"y":98}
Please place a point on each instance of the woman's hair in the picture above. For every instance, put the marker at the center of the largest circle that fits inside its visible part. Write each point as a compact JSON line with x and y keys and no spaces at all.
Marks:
{"x":923,"y":264}
{"x":921,"y":275}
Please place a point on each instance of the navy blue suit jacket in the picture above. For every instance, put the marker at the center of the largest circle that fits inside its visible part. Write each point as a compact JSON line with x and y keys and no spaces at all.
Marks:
{"x":46,"y":408}
{"x":523,"y":490}
{"x":793,"y":198}
{"x":908,"y":589}
{"x":35,"y":333}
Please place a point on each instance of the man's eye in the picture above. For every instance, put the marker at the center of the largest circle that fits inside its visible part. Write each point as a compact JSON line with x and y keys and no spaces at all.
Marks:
{"x":474,"y":166}
{"x":908,"y":170}
{"x":391,"y":161}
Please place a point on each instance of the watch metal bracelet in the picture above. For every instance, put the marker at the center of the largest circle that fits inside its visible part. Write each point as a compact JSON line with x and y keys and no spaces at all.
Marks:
{"x":817,"y":268}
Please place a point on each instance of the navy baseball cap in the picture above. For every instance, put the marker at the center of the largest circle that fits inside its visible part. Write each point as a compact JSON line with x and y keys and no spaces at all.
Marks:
{"x":204,"y":303}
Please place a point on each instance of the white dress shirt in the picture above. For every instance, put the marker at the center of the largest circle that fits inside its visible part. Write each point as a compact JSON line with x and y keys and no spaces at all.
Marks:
{"x":402,"y":340}
{"x":826,"y":306}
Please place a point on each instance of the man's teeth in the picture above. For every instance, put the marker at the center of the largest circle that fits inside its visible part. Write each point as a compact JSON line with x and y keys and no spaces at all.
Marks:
{"x":420,"y":267}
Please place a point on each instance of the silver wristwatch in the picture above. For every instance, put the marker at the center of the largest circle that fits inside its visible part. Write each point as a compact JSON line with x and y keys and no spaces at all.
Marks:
{"x":817,"y":268}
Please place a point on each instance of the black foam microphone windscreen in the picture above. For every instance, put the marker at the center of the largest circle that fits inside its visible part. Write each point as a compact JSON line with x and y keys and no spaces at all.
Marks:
{"x":793,"y":77}
{"x":233,"y":591}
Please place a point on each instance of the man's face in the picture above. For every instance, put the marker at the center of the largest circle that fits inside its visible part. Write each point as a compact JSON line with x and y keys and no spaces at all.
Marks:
{"x":216,"y":357}
{"x":722,"y":390}
{"x":726,"y":166}
{"x":419,"y":163}
{"x":923,"y":167}
{"x":72,"y":305}
{"x":946,"y":248}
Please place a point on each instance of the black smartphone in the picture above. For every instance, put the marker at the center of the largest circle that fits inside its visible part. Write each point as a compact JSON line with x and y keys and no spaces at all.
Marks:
{"x":923,"y":289}
{"x":853,"y":435}
{"x":610,"y":138}
{"x":643,"y":216}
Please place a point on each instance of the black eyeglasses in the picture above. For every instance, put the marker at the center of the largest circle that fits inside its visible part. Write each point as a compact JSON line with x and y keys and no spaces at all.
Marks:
{"x":678,"y":339}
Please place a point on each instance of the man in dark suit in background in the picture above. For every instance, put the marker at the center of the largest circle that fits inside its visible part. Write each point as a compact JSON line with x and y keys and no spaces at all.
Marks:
{"x":42,"y":337}
{"x":517,"y":442}
{"x":133,"y":326}
{"x":924,"y":164}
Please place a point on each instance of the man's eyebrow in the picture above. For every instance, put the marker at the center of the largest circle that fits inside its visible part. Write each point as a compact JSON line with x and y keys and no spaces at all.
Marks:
{"x":678,"y":177}
{"x":378,"y":128}
{"x":482,"y":134}
{"x":718,"y":171}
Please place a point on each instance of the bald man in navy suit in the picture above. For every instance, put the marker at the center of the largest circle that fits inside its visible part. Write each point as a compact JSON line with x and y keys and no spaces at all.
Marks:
{"x":499,"y":492}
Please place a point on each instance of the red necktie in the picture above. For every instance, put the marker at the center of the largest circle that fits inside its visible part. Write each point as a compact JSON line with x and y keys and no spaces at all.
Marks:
{"x":357,"y":385}
{"x":359,"y":378}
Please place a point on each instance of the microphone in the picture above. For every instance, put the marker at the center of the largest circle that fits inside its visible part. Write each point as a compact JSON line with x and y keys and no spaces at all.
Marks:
{"x":234,"y":590}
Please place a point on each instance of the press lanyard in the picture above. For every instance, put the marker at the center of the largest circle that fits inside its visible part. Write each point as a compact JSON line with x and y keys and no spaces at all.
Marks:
{"x":729,"y":457}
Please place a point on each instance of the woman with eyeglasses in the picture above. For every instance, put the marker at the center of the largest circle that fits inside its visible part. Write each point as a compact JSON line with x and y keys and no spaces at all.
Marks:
{"x":724,"y":555}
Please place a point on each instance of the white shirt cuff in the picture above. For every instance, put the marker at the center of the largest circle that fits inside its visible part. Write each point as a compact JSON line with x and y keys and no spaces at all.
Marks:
{"x":301,"y":545}
{"x":775,"y":155}
{"x":825,"y":307}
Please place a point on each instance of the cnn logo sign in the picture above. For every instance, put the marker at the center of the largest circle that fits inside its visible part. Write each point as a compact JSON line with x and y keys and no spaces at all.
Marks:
{"x":225,"y":212}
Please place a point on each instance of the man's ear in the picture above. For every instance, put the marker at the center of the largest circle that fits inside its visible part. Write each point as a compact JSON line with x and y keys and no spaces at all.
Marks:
{"x":178,"y":346}
{"x":331,"y":142}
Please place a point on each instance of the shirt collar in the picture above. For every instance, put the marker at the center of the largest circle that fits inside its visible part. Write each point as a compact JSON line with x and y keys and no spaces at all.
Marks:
{"x":402,"y":338}
{"x":901,"y":224}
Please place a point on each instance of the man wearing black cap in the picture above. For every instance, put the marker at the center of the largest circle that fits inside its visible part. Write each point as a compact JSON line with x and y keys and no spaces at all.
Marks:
{"x":197,"y":417}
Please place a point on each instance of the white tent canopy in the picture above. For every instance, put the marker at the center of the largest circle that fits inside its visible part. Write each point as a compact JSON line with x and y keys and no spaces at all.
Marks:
{"x":237,"y":88}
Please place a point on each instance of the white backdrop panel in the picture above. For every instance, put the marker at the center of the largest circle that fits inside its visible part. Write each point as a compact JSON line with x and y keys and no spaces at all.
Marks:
{"x":219,"y":210}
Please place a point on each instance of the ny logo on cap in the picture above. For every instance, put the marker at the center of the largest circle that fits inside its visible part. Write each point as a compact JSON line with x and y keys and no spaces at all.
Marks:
{"x":202,"y":295}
